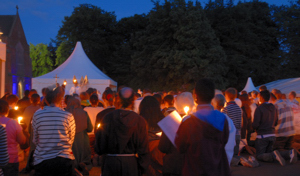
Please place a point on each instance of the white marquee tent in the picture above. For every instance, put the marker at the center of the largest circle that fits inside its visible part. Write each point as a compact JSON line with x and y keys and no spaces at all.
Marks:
{"x":249,"y":85}
{"x":285,"y":85}
{"x":78,"y":65}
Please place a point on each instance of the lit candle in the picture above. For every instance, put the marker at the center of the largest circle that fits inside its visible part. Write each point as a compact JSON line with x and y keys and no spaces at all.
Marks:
{"x":186,"y":110}
{"x":20,"y":119}
{"x":98,"y":126}
{"x":65,"y":82}
{"x":158,"y":134}
{"x":16,"y":107}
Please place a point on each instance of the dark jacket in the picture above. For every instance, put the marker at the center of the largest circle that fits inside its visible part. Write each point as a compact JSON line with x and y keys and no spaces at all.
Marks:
{"x":101,"y":115}
{"x":202,"y":138}
{"x":156,"y":161}
{"x":123,"y":132}
{"x":173,"y":160}
{"x":265,"y":119}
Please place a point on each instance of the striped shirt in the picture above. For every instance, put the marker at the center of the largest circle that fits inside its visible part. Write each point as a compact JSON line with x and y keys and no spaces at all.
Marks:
{"x":53,"y":134}
{"x":4,"y":157}
{"x":235,"y":113}
{"x":285,"y":125}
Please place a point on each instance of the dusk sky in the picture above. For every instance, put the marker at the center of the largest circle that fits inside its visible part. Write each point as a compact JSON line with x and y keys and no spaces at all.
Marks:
{"x":41,"y":19}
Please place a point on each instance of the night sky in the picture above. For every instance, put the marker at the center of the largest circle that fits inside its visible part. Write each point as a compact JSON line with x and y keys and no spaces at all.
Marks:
{"x":41,"y":19}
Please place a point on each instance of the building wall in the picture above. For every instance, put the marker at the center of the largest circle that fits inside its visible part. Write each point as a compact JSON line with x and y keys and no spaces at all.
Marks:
{"x":18,"y":62}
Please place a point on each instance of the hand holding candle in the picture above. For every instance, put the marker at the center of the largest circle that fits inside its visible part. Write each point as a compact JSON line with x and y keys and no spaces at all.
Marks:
{"x":98,"y":126}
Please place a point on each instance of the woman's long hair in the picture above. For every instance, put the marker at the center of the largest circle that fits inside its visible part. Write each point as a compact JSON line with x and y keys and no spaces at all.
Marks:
{"x":150,"y":110}
{"x":246,"y":104}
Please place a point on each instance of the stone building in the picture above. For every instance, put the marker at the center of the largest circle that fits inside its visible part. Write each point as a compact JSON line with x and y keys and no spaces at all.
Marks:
{"x":18,"y":68}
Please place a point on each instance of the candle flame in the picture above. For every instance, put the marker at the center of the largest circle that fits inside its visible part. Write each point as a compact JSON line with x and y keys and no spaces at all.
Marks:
{"x":158,"y":134}
{"x":16,"y":107}
{"x":98,"y":126}
{"x":186,"y":110}
{"x":20,"y":119}
{"x":65,"y":82}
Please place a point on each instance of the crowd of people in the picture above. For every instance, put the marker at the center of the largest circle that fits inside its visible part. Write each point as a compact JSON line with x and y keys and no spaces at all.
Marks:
{"x":119,"y":132}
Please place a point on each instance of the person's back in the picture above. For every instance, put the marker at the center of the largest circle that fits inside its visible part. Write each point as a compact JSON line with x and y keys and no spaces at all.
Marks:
{"x":53,"y":135}
{"x":203,"y":136}
{"x":265,"y":120}
{"x":285,"y":126}
{"x":123,"y":139}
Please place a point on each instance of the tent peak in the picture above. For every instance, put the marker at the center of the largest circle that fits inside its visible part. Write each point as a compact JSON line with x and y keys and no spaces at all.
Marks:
{"x":249,"y":85}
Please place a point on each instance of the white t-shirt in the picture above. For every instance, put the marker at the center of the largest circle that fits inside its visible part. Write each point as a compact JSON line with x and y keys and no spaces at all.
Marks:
{"x":92,"y":112}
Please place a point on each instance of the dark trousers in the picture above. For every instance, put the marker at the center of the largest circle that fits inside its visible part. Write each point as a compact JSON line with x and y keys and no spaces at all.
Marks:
{"x":11,"y":169}
{"x":283,"y":143}
{"x":54,"y":167}
{"x":264,"y":149}
{"x":237,"y":145}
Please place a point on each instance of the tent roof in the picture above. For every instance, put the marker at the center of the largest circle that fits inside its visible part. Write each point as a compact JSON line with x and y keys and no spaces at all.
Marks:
{"x":285,"y":85}
{"x":77,"y":64}
{"x":249,"y":85}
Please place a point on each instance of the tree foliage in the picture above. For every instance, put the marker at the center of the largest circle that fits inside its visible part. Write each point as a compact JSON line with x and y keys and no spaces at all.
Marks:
{"x":41,"y":59}
{"x":178,"y":42}
{"x":248,"y":36}
{"x":177,"y":47}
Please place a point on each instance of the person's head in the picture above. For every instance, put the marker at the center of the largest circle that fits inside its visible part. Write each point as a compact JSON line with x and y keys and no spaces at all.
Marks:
{"x":230,"y":94}
{"x":150,"y":110}
{"x":277,"y":93}
{"x":245,"y":100}
{"x":12,"y":100}
{"x":169,"y":101}
{"x":204,"y":91}
{"x":254,"y":94}
{"x":184,"y":99}
{"x":84,"y":96}
{"x":54,"y":97}
{"x":66,"y":99}
{"x":262,"y":88}
{"x":126,"y":96}
{"x":273,"y":98}
{"x":57,"y":85}
{"x":73,"y":103}
{"x":283,"y":96}
{"x":35,"y":99}
{"x":264,"y":96}
{"x":31,"y":92}
{"x":244,"y":92}
{"x":147,"y":92}
{"x":292,"y":95}
{"x":4,"y":108}
{"x":158,"y":98}
{"x":90,"y":91}
{"x":94,"y":100}
{"x":45,"y":91}
{"x":108,"y":97}
{"x":218,"y":102}
{"x":26,"y":93}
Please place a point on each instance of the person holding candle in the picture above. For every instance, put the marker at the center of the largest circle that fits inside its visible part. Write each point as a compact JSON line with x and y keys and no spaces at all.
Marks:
{"x":173,"y":160}
{"x":15,"y":136}
{"x":203,"y":136}
{"x":14,"y":111}
{"x":123,"y":139}
{"x":150,"y":110}
{"x":168,"y":104}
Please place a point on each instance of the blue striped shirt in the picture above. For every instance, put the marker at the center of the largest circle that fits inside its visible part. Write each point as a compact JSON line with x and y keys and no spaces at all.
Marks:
{"x":53,"y":134}
{"x":235,"y":113}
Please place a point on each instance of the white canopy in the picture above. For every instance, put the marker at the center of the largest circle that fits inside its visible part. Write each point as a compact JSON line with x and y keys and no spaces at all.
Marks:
{"x":285,"y":85}
{"x":249,"y":86}
{"x":79,"y":65}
